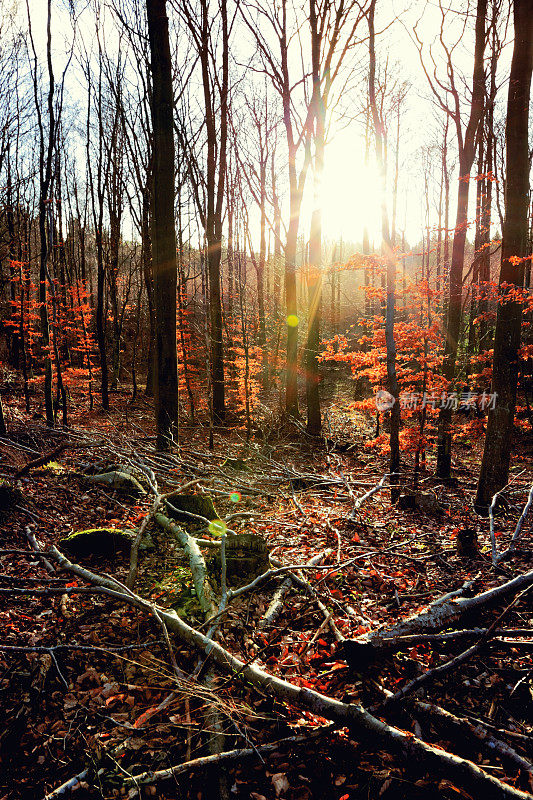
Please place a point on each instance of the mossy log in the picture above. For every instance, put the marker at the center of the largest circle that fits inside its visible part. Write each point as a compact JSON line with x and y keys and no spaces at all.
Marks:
{"x":103,"y":541}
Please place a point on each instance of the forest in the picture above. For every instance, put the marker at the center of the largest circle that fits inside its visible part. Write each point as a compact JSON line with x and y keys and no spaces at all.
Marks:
{"x":266,"y":399}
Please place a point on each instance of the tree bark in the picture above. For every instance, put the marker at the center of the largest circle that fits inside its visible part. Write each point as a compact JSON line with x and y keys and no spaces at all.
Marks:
{"x":497,"y":452}
{"x":314,"y":421}
{"x":466,"y":158}
{"x":164,"y":264}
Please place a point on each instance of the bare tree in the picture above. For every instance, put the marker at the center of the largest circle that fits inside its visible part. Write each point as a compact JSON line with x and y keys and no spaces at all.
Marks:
{"x":164,"y":264}
{"x":515,"y":253}
{"x":379,"y":132}
{"x":46,"y":152}
{"x":445,"y":90}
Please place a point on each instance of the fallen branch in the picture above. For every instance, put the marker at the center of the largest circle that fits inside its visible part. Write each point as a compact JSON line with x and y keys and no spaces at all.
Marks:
{"x":440,"y":614}
{"x":276,"y":604}
{"x":459,"y":659}
{"x":84,"y":648}
{"x":134,"y":552}
{"x":230,"y":755}
{"x":368,"y":728}
{"x":489,"y":743}
{"x":358,"y":502}
{"x":36,"y":547}
{"x":38,"y":462}
{"x":412,"y":640}
{"x":196,"y":562}
{"x":304,"y":584}
{"x":518,"y":528}
{"x":159,"y":499}
{"x":68,"y":785}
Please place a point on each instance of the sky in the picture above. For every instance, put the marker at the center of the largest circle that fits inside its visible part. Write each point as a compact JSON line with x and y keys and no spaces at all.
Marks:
{"x":350,"y":186}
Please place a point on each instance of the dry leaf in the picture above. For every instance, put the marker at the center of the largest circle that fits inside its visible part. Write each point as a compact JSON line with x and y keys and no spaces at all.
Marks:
{"x":280,"y":783}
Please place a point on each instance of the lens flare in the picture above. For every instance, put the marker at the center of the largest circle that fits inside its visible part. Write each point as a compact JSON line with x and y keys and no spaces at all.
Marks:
{"x":292,"y":320}
{"x":217,"y":527}
{"x":235,"y":497}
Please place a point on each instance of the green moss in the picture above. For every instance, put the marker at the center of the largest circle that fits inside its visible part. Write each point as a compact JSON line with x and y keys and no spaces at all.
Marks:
{"x":102,"y":541}
{"x":54,"y":466}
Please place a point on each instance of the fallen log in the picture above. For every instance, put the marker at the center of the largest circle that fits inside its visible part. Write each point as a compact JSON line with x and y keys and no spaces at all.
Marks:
{"x":438,"y":615}
{"x":365,"y":726}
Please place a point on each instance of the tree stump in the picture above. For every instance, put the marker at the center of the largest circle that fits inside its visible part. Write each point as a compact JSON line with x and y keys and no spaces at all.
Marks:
{"x":199,"y":504}
{"x":246,"y":559}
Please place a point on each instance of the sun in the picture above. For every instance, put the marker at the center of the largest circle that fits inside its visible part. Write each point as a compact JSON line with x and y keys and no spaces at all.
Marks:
{"x":350,"y":194}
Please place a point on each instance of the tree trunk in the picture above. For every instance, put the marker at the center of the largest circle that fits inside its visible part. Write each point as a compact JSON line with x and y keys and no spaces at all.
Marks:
{"x":314,"y":421}
{"x":45,"y":180}
{"x":262,"y":255}
{"x":394,"y":465}
{"x":216,"y":150}
{"x":455,"y":296}
{"x":496,"y":456}
{"x":12,"y":336}
{"x":291,"y":383}
{"x":164,"y":265}
{"x":149,"y":286}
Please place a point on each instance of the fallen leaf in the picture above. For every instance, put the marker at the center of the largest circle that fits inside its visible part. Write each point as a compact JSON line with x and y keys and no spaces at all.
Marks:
{"x":280,"y":783}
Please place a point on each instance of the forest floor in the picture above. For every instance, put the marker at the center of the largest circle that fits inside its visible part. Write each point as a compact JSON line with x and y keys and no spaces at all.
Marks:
{"x":94,"y":701}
